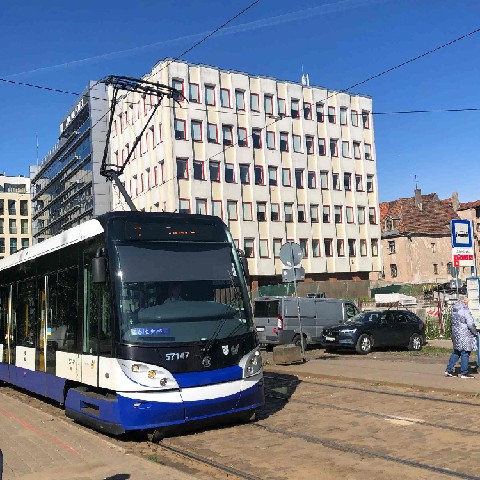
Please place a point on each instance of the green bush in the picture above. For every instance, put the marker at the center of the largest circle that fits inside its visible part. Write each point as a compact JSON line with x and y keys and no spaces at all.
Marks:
{"x":433,"y":327}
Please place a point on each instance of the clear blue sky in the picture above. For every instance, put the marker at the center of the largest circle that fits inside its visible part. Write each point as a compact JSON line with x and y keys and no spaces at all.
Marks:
{"x":339,"y":44}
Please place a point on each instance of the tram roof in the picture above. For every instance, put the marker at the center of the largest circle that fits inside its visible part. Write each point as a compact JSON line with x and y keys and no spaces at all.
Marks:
{"x":73,"y":235}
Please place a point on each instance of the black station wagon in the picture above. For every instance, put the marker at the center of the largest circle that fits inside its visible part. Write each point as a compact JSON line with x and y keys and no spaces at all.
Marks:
{"x":367,"y":330}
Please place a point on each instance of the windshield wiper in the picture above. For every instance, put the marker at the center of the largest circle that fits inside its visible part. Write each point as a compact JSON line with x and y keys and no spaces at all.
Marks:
{"x":214,"y":338}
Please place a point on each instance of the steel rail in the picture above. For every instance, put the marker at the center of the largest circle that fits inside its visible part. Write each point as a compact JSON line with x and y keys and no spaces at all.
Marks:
{"x":348,"y":448}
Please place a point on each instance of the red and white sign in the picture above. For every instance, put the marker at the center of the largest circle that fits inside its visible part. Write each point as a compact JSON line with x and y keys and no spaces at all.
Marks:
{"x":463,"y":257}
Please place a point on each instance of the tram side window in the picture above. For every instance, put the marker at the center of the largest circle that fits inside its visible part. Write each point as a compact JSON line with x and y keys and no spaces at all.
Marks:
{"x":63,"y":299}
{"x":97,"y":333}
{"x":26,"y":314}
{"x":4,"y":294}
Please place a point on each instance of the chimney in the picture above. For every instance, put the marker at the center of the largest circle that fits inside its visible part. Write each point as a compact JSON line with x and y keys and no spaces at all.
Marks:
{"x":418,"y":198}
{"x":455,"y":202}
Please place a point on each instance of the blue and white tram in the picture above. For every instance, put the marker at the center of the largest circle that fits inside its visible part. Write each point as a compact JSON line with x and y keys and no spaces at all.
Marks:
{"x":134,"y":321}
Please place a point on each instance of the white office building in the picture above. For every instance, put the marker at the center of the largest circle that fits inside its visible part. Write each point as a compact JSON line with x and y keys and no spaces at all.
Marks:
{"x":277,"y":161}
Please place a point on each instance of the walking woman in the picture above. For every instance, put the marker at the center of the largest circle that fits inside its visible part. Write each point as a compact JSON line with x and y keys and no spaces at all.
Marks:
{"x":464,"y":338}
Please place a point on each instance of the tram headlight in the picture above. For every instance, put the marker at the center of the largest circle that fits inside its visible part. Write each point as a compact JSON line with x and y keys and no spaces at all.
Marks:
{"x":163,"y":381}
{"x":253,"y":364}
{"x":135,"y":368}
{"x":152,"y":374}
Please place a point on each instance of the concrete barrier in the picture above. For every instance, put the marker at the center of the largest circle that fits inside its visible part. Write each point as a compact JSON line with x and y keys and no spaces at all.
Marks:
{"x":287,"y":354}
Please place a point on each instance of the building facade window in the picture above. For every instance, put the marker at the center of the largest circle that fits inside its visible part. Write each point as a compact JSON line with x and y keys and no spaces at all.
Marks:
{"x":391,"y":246}
{"x":334,"y":147}
{"x":328,"y":247}
{"x":307,"y":111}
{"x":294,"y":108}
{"x":302,"y":217}
{"x":326,"y":214}
{"x":196,"y":126}
{"x":336,"y":181}
{"x":248,"y":248}
{"x":257,"y":137}
{"x":270,"y":140}
{"x":324,"y":180}
{"x":275,"y":212}
{"x":315,"y":247}
{"x":258,"y":170}
{"x":322,"y":147}
{"x":356,"y":150}
{"x":345,"y":149}
{"x":288,"y":212}
{"x":240,"y":99}
{"x":261,"y":212}
{"x":263,"y":248}
{"x":365,"y":119}
{"x":242,"y":137}
{"x":212,"y":133}
{"x":297,"y":143}
{"x":254,"y":102}
{"x":340,"y":248}
{"x":352,"y":247}
{"x":277,"y":245}
{"x":282,"y":110}
{"x":309,"y":144}
{"x":374,"y":244}
{"x":182,"y":168}
{"x":338,"y":214}
{"x":245,"y":174}
{"x":332,"y":117}
{"x":372,"y":216}
{"x":368,"y":151}
{"x":349,"y":214}
{"x":393,"y":270}
{"x":286,"y":177}
{"x":361,"y":215}
{"x":194,"y":92}
{"x":210,"y":95}
{"x":184,"y":205}
{"x":272,"y":176}
{"x":299,"y":178}
{"x":227,"y":134}
{"x":283,"y":141}
{"x":232,"y":210}
{"x":201,"y":206}
{"x":180,"y":129}
{"x":268,"y":104}
{"x":320,"y":112}
{"x":358,"y":183}
{"x":314,"y":213}
{"x":247,"y":211}
{"x":229,"y":173}
{"x":217,"y":208}
{"x":214,"y":170}
{"x":311,"y":179}
{"x":343,"y":115}
{"x":225,"y":98}
{"x":198,"y":170}
{"x":369,"y":183}
{"x":354,"y":118}
{"x":347,"y":181}
{"x":363,"y":247}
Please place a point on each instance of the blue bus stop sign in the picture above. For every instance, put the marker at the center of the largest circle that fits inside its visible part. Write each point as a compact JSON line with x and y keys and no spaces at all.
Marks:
{"x":462,"y":234}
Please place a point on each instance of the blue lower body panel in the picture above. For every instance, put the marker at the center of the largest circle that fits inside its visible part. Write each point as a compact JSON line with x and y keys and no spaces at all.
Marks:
{"x":41,"y":383}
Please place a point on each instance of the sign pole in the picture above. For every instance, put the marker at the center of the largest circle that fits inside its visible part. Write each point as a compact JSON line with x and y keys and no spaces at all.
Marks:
{"x":298,"y":308}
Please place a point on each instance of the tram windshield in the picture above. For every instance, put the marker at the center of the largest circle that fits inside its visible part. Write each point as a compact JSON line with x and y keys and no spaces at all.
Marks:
{"x":176,"y":292}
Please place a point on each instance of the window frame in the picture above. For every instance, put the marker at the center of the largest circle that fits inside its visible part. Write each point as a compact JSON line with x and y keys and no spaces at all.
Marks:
{"x":239,"y":92}
{"x":211,"y":140}
{"x":190,"y":98}
{"x":338,"y":214}
{"x":258,"y":168}
{"x":184,"y":122}
{"x":240,"y":167}
{"x":272,"y":219}
{"x":231,"y":170}
{"x":247,"y":206}
{"x":242,"y":142}
{"x":179,"y":160}
{"x":294,"y":113}
{"x":343,"y":116}
{"x":332,"y":115}
{"x":334,"y":144}
{"x":274,"y":169}
{"x":229,"y":103}
{"x":289,"y":170}
{"x":259,"y":131}
{"x":314,"y":217}
{"x":259,"y":213}
{"x":229,"y":130}
{"x":268,"y":100}
{"x":297,"y":143}
{"x":202,"y":166}
{"x":210,"y":88}
{"x":197,"y":123}
{"x":348,"y":209}
{"x":326,"y":214}
{"x":354,"y":115}
{"x":282,"y":148}
{"x":252,"y":97}
{"x":320,"y":112}
{"x":235,"y":204}
{"x":210,"y":164}
{"x":307,"y":112}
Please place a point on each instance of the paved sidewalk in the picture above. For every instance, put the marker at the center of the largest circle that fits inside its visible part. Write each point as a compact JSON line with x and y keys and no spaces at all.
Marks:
{"x":402,"y":371}
{"x":38,"y":446}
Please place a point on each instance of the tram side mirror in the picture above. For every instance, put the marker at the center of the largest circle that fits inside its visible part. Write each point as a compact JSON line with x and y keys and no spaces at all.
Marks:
{"x":244,"y":261}
{"x":99,"y":269}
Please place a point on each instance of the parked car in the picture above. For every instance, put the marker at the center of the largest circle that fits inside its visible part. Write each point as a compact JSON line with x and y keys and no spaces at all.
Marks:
{"x":367,"y":330}
{"x":276,"y":318}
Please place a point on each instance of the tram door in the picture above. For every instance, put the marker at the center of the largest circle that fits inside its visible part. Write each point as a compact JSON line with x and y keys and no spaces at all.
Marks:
{"x":4,"y":319}
{"x":41,"y":354}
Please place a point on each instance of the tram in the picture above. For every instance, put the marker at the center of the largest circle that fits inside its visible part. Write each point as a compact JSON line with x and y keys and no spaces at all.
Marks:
{"x":133,"y":321}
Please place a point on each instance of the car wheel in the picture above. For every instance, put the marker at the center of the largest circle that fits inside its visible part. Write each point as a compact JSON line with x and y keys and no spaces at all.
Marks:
{"x":298,"y":343}
{"x":364,"y":344}
{"x":415,"y":344}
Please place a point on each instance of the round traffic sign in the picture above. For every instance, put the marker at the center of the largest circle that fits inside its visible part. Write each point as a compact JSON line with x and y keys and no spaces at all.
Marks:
{"x":291,"y":254}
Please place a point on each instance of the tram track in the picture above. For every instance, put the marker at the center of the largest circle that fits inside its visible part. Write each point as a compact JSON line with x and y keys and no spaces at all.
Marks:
{"x":204,"y":461}
{"x":367,"y":413}
{"x":349,"y":448}
{"x":284,"y":382}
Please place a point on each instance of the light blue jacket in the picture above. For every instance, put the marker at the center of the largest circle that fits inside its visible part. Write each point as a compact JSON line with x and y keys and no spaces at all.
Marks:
{"x":464,"y":333}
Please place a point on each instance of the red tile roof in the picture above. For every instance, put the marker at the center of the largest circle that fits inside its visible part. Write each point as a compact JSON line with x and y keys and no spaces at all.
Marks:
{"x":434,"y":217}
{"x":468,"y":205}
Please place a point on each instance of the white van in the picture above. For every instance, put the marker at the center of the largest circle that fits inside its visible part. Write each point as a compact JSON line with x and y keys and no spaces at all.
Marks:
{"x":276,"y":318}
